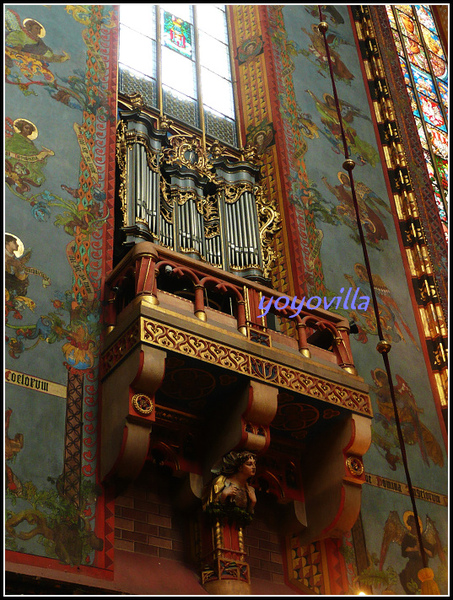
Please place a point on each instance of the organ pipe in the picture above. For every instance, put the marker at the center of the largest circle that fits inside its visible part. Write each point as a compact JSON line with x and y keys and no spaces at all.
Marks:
{"x":175,"y":194}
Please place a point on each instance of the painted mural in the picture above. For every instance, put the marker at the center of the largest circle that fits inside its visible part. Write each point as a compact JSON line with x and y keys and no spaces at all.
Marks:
{"x":321,"y":206}
{"x":60,"y":114}
{"x":60,"y":74}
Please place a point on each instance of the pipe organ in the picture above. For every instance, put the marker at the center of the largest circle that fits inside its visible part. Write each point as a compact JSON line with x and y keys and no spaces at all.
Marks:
{"x":197,"y":199}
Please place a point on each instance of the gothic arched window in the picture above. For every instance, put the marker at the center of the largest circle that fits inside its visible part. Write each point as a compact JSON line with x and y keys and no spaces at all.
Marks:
{"x":177,"y":57}
{"x":424,"y":66}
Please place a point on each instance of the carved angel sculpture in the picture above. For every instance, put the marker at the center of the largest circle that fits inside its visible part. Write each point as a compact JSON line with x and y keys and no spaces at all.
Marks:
{"x":231,"y":490}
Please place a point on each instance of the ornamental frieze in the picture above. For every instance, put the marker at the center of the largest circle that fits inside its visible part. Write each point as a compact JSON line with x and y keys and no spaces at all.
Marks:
{"x":233,"y":359}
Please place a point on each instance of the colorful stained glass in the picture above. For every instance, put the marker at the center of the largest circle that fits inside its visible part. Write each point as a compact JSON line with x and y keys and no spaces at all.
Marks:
{"x":184,"y":11}
{"x":398,"y":44}
{"x":418,"y":45}
{"x":421,"y":133}
{"x":432,"y":41}
{"x":443,"y":90}
{"x":439,"y":67}
{"x":177,"y":34}
{"x":415,"y":52}
{"x":439,"y":141}
{"x":391,"y":17}
{"x":424,"y":83}
{"x":425,"y":17}
{"x":442,"y":168}
{"x":431,"y":112}
{"x":404,"y":8}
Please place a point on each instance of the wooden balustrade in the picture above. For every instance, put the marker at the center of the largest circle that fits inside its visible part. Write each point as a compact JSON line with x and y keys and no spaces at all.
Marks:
{"x":141,"y":274}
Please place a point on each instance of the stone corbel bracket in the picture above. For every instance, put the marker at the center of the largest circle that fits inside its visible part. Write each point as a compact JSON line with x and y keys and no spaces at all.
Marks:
{"x":245,"y":423}
{"x":333,"y":476}
{"x":128,"y":412}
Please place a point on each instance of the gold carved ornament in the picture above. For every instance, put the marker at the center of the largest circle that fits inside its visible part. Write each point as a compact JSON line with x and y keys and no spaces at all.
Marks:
{"x":269,"y":223}
{"x":181,"y":146}
{"x":121,"y":151}
{"x":355,"y":465}
{"x":142,"y":404}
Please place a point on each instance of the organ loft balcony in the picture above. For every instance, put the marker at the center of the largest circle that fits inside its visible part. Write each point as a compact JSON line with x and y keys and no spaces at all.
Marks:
{"x":192,"y":368}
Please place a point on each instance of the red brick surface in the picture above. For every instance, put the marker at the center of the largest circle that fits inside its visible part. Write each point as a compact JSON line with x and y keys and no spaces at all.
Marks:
{"x":147,"y":523}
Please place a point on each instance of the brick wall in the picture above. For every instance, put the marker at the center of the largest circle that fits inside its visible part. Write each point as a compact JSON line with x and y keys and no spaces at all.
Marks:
{"x":263,"y":545}
{"x":145,"y":520}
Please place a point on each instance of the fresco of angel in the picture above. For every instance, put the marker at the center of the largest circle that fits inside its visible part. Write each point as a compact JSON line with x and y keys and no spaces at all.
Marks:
{"x":405,"y":535}
{"x":26,"y":51}
{"x":361,"y":149}
{"x":387,"y":444}
{"x":317,"y":48}
{"x":392,"y":320}
{"x":414,"y":431}
{"x":370,"y":206}
{"x":335,"y":16}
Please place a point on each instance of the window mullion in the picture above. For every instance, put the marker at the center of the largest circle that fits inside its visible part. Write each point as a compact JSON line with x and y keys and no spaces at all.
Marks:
{"x":420,"y":109}
{"x":234,"y":81}
{"x":198,"y":72}
{"x":160,"y":99}
{"x":430,"y":67}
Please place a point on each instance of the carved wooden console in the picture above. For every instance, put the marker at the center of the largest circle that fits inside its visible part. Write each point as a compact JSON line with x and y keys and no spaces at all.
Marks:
{"x":185,"y":357}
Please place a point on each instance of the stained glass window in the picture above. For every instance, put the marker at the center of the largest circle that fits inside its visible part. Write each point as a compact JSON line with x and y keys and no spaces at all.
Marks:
{"x":424,"y":66}
{"x":177,"y":56}
{"x":177,"y":34}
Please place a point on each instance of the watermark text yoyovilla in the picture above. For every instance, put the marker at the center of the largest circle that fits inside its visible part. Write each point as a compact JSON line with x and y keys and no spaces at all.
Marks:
{"x":314,"y":302}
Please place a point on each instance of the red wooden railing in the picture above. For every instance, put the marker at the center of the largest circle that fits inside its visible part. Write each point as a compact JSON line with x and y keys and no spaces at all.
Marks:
{"x":317,"y":332}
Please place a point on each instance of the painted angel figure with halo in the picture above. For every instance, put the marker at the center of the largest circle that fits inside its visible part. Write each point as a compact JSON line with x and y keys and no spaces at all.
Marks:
{"x":405,"y":535}
{"x":26,"y":54}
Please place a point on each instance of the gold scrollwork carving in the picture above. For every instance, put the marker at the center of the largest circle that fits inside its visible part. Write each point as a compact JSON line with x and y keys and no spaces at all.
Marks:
{"x":182,"y":196}
{"x":232,"y":193}
{"x":136,"y":99}
{"x":269,"y":224}
{"x":211,"y":230}
{"x":187,"y":151}
{"x":121,"y":150}
{"x":171,"y":338}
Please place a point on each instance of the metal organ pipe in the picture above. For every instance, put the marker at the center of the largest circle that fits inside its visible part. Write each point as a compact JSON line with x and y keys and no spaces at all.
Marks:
{"x":168,"y":213}
{"x":138,"y":181}
{"x":236,"y":236}
{"x":130,"y":186}
{"x":243,"y":226}
{"x":192,"y":237}
{"x":182,"y":225}
{"x":144,"y":195}
{"x":230,"y":234}
{"x":253,"y":228}
{"x":153,"y":200}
